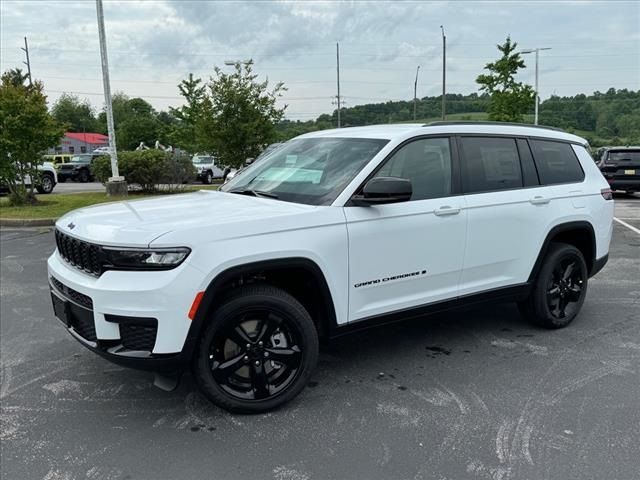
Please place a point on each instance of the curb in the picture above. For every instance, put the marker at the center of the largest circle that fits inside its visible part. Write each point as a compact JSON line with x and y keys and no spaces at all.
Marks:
{"x":27,"y":222}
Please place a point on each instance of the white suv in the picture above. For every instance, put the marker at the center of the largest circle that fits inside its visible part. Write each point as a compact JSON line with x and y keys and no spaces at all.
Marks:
{"x":336,"y":231}
{"x":207,"y":168}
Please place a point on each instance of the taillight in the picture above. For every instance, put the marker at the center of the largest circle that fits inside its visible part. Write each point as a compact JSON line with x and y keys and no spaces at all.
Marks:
{"x":606,"y":193}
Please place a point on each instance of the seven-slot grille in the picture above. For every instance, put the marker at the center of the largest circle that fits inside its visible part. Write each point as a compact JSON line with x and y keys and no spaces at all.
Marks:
{"x":80,"y":254}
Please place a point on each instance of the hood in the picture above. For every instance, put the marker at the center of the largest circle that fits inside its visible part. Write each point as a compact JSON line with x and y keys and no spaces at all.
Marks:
{"x":139,"y":222}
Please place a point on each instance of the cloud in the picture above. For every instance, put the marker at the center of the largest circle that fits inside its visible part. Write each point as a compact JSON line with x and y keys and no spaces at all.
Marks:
{"x":153,"y":44}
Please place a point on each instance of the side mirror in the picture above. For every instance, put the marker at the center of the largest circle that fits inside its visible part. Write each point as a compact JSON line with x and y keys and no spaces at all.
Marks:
{"x":381,"y":190}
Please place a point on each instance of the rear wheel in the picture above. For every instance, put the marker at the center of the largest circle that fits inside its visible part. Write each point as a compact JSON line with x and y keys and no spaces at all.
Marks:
{"x":560,"y":288}
{"x":257,"y":352}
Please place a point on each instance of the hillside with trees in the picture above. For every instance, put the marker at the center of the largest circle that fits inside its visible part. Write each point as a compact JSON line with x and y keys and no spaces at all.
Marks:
{"x":606,"y":118}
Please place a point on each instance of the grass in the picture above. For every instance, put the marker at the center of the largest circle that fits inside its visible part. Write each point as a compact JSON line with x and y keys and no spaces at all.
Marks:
{"x":54,"y":206}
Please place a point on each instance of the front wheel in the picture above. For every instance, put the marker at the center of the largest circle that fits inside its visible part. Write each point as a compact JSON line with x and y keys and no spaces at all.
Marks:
{"x":208,"y":178}
{"x":560,"y":288}
{"x":83,"y":176}
{"x":257,"y":352}
{"x":46,"y":184}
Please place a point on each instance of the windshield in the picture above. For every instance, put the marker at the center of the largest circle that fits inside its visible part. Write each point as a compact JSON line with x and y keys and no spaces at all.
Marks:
{"x":201,"y":160}
{"x":624,"y":155}
{"x":308,"y":170}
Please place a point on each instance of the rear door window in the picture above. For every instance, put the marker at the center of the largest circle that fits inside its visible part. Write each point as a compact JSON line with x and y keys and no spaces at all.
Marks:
{"x":556,"y":162}
{"x":490,"y":164}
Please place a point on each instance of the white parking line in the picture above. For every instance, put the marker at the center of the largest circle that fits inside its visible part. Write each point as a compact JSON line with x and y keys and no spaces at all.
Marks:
{"x":630,"y":227}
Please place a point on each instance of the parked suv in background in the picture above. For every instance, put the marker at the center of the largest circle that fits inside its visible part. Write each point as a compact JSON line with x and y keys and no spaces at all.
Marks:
{"x":336,"y":231}
{"x":621,"y":168}
{"x":78,"y":168}
{"x":207,"y":168}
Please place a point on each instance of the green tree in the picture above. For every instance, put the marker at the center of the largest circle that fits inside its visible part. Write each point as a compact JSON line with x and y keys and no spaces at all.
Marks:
{"x":189,"y":114}
{"x":15,"y":77}
{"x":509,"y":99}
{"x":27,"y":130}
{"x":77,"y":114}
{"x":135,"y":121}
{"x":235,"y":117}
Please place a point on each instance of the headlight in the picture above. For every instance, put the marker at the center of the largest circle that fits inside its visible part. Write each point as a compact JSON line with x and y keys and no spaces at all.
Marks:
{"x":144,"y":259}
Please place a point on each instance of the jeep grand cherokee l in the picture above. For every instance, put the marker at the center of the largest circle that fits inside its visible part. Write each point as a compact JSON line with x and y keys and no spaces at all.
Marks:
{"x":291,"y":250}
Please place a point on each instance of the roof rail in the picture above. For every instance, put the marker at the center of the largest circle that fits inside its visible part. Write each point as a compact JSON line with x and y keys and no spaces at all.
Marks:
{"x":471,"y":122}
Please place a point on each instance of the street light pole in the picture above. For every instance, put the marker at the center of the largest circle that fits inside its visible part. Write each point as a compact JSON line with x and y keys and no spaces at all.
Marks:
{"x":116,"y":184}
{"x":444,"y":70}
{"x":338,"y":79}
{"x":415,"y":93}
{"x":537,"y":102}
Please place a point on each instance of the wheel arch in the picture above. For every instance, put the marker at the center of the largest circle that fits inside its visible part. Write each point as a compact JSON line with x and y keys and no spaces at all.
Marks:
{"x":580,"y":234}
{"x":324,"y":315}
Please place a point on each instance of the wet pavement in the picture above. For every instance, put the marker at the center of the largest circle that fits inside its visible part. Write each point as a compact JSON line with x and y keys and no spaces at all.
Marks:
{"x":473,"y":394}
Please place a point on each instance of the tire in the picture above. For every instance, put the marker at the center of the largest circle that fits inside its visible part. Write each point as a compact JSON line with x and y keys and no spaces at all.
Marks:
{"x":559,"y":289}
{"x":273,"y":324}
{"x":208,"y":178}
{"x":83,"y":176}
{"x":46,"y":184}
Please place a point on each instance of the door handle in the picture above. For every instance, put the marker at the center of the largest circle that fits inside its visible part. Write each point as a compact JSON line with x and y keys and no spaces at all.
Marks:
{"x":446,"y":210}
{"x":538,"y":200}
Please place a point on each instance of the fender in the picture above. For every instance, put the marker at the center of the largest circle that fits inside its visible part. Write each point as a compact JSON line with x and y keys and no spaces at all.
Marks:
{"x":558,"y":229}
{"x":215,"y":287}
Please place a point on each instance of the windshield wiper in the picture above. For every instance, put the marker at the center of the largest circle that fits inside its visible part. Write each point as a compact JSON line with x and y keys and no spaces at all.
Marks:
{"x":254,"y":193}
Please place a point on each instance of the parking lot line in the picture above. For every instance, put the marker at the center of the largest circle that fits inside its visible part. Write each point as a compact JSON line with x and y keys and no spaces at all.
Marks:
{"x":625,"y":224}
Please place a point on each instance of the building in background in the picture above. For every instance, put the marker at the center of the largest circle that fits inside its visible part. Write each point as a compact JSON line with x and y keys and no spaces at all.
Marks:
{"x":80,"y":143}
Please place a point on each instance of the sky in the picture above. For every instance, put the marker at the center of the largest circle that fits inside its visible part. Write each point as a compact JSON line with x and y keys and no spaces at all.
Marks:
{"x":154,"y":44}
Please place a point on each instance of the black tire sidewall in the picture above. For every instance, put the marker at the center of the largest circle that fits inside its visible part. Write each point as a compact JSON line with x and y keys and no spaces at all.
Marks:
{"x":46,"y":178}
{"x":83,"y":176}
{"x":540,"y":308}
{"x":298,"y":318}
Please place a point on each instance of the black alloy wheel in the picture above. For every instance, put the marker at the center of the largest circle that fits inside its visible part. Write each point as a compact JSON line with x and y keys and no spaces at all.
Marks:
{"x":560,"y":288}
{"x":565,"y":288}
{"x":257,"y":356}
{"x":258,"y":351}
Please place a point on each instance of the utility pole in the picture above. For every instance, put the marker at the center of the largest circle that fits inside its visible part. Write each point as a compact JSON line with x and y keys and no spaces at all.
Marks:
{"x":537,"y":99}
{"x":338,"y":79}
{"x":444,"y":71}
{"x":415,"y":93}
{"x":116,"y":184}
{"x":28,"y":62}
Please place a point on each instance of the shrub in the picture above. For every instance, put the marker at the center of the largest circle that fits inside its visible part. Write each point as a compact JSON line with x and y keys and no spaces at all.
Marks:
{"x":148,"y":169}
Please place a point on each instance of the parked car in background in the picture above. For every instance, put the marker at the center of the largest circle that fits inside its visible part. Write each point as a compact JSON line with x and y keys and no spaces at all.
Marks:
{"x":621,"y":168}
{"x":58,"y":158}
{"x":266,"y":152}
{"x":206,"y":168}
{"x":46,"y":182}
{"x":78,"y":168}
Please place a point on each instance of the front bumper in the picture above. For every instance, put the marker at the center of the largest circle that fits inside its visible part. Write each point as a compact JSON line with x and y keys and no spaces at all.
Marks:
{"x":137,"y":319}
{"x":67,"y":174}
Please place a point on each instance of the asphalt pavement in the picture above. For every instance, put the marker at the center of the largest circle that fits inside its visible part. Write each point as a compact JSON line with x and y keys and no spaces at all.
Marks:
{"x":473,"y":394}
